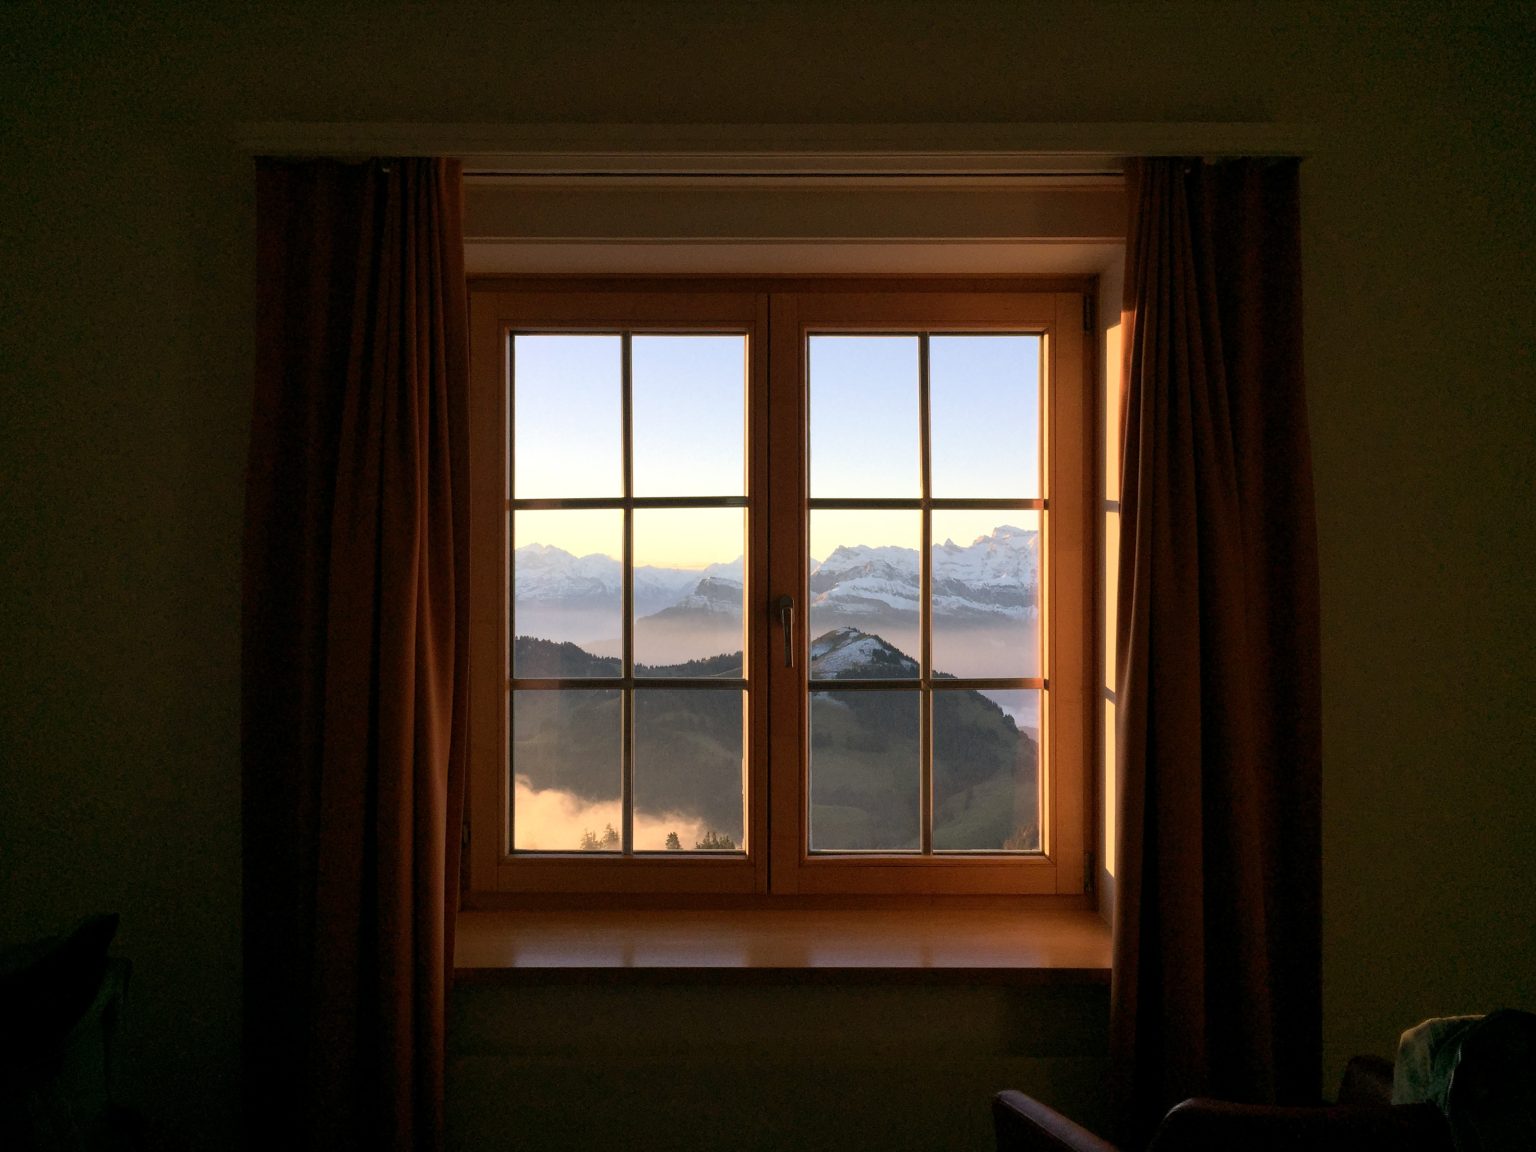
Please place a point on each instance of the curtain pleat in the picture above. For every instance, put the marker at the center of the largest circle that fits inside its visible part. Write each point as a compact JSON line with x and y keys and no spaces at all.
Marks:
{"x":1216,"y":987}
{"x":354,"y":651}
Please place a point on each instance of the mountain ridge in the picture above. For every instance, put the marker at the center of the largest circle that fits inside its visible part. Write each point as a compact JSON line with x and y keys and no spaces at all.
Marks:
{"x":996,"y":575}
{"x":864,"y":761}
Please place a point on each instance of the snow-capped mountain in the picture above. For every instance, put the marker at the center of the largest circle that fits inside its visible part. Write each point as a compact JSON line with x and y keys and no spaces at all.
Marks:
{"x":681,"y":613}
{"x":847,"y":653}
{"x":711,"y":596}
{"x":705,"y":623}
{"x":861,"y":580}
{"x":544,"y":573}
{"x":995,"y":576}
{"x":990,"y":586}
{"x":730,"y":572}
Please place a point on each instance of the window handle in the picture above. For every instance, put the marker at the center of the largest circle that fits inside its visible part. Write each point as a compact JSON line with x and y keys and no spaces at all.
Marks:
{"x":787,"y":622}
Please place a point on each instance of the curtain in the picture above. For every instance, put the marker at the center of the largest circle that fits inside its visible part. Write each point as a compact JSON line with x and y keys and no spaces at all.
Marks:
{"x":1216,"y":986}
{"x":354,"y":628}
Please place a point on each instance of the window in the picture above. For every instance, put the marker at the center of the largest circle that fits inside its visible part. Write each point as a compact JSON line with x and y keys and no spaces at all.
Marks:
{"x":780,"y":587}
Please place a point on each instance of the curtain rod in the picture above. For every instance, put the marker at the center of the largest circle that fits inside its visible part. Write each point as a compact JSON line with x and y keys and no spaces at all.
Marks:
{"x":860,"y":149}
{"x":514,"y":176}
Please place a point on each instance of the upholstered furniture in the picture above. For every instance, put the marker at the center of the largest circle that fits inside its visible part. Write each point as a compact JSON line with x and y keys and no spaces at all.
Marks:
{"x":59,"y":1006}
{"x":1025,"y":1125}
{"x":1483,"y":1093}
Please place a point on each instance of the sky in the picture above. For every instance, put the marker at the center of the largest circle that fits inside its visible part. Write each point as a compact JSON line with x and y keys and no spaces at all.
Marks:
{"x":689,"y":402}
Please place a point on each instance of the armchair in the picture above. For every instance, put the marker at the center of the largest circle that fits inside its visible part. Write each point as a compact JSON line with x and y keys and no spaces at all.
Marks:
{"x":1483,"y":1082}
{"x":1025,"y":1125}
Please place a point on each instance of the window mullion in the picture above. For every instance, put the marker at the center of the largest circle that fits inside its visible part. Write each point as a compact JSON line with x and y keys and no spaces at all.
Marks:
{"x":924,"y":597}
{"x":627,"y":601}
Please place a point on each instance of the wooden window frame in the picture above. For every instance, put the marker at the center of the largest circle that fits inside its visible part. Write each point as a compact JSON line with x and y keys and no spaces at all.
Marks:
{"x":776,"y":313}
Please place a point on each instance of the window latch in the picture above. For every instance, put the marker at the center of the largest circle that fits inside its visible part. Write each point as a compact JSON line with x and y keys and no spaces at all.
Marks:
{"x":787,"y":622}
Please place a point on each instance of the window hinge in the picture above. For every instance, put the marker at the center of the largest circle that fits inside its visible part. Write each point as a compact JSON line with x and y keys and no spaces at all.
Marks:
{"x":1087,"y":313}
{"x":1090,"y":873}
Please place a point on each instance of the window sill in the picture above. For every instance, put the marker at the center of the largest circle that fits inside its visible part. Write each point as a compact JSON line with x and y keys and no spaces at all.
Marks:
{"x":925,"y":945}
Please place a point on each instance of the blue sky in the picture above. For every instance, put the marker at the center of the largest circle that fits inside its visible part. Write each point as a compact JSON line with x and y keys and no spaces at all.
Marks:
{"x":689,"y":402}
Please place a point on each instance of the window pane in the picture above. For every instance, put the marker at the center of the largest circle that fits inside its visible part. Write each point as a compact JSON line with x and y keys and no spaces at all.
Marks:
{"x":986,"y":593}
{"x":690,"y":789}
{"x":1111,"y":792}
{"x":688,"y":591}
{"x":864,"y":418}
{"x":566,"y":771}
{"x":866,"y":777}
{"x":688,"y":399}
{"x":984,"y":416}
{"x":864,"y":594}
{"x":566,"y":395}
{"x":1111,"y":595}
{"x":1111,"y":421}
{"x":567,"y":592}
{"x":986,"y":771}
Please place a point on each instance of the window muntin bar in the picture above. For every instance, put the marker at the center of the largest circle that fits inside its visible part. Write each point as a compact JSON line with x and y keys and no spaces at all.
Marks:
{"x":633,"y":502}
{"x":627,"y":647}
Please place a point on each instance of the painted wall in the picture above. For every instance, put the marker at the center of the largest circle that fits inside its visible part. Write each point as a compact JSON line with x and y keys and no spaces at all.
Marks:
{"x":126,"y":216}
{"x":765,"y":1065}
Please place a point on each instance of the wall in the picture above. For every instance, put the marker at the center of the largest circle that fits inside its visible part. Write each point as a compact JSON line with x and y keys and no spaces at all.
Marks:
{"x":126,"y":217}
{"x":764,"y":1064}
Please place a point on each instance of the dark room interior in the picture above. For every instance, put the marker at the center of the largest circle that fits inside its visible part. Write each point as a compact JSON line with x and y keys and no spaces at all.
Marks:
{"x":128,"y":211}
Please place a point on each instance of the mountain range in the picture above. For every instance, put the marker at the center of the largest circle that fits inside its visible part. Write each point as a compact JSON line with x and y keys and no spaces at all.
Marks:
{"x":994,"y":577}
{"x":546,"y":574}
{"x":985,"y":597}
